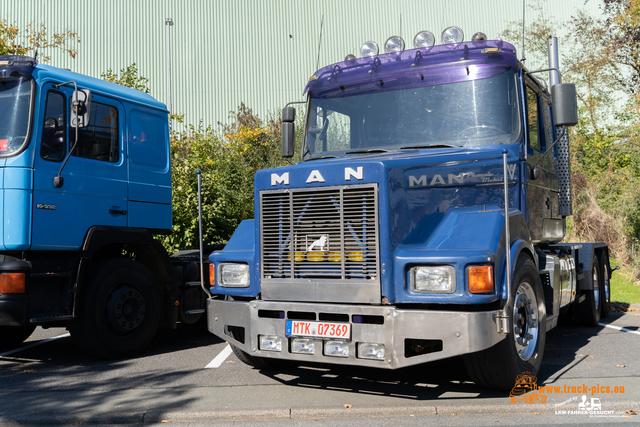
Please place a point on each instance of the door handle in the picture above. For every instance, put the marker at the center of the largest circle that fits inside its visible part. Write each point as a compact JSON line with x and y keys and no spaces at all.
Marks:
{"x":117,"y":212}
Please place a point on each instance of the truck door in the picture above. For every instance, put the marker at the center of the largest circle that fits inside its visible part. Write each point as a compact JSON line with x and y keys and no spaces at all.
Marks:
{"x":542,"y":193}
{"x":94,"y":191}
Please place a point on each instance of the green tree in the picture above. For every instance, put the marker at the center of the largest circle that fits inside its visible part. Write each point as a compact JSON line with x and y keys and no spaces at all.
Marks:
{"x":14,"y":41}
{"x":228,"y":160}
{"x":128,"y":77}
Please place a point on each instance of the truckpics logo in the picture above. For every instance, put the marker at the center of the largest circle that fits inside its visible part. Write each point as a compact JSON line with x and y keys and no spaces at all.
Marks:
{"x":526,"y":389}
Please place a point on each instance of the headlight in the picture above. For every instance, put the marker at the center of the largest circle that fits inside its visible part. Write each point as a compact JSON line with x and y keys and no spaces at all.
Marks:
{"x":234,"y":275}
{"x":439,"y":279}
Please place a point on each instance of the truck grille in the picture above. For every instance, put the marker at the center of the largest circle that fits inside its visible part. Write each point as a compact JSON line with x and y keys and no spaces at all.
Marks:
{"x":320,"y":233}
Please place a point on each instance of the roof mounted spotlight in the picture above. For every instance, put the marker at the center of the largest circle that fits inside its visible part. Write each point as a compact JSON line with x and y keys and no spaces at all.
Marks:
{"x":424,"y":39}
{"x":369,"y":49}
{"x":479,"y":36}
{"x":452,"y":35}
{"x":394,"y":44}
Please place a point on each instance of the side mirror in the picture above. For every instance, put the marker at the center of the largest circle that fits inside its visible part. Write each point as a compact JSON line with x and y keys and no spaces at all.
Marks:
{"x":565,"y":104}
{"x":80,"y":108}
{"x":288,"y":131}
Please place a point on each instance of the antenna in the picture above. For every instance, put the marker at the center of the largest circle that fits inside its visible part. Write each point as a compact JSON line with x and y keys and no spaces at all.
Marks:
{"x":35,"y":52}
{"x":523,"y":10}
{"x":400,"y":26}
{"x":319,"y":42}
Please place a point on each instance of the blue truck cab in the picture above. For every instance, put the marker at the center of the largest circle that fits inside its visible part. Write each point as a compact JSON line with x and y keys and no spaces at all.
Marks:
{"x":85,"y":180}
{"x":389,"y":244}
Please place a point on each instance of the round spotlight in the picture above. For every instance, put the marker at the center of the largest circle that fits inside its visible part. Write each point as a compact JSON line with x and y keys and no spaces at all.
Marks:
{"x":452,"y":35}
{"x":394,"y":44}
{"x":479,"y":36}
{"x":424,"y":39}
{"x":369,"y":49}
{"x":350,"y":57}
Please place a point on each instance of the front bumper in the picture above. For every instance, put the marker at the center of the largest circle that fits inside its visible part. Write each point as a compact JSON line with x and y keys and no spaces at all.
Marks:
{"x":458,"y":332}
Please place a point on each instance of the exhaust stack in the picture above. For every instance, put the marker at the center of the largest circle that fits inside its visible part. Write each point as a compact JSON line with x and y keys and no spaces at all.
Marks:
{"x":564,"y":165}
{"x":554,"y":76}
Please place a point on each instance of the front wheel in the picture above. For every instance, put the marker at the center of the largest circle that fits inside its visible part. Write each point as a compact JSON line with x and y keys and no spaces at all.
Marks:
{"x":522,"y":349}
{"x":121,"y":311}
{"x":11,"y":336}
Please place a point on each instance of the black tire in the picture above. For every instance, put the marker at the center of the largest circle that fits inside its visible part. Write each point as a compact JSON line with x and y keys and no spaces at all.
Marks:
{"x":587,"y":313}
{"x":121,"y":311}
{"x":499,"y":366}
{"x":11,"y":336}
{"x":256,"y":361}
{"x":605,"y":269}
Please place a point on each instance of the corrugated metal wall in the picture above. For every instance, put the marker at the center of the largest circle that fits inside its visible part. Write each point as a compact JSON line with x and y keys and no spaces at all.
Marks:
{"x":260,"y":52}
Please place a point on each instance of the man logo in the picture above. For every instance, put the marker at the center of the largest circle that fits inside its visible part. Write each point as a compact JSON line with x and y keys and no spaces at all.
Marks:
{"x":316,"y":176}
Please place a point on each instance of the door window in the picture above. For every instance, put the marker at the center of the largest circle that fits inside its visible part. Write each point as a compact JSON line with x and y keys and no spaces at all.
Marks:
{"x":52,"y":147}
{"x":100,"y":139}
{"x":532,"y":118}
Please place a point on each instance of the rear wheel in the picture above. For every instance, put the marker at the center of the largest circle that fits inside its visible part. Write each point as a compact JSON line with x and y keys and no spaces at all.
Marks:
{"x":606,"y":285}
{"x":11,"y":336}
{"x":121,"y":311}
{"x":521,"y":351}
{"x":587,"y":313}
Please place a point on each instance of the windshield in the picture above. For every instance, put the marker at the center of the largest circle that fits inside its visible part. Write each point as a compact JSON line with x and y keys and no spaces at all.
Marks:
{"x":15,"y":113}
{"x":376,"y":119}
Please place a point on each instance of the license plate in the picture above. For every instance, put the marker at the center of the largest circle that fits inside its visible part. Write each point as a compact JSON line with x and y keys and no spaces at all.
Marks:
{"x":302,"y":328}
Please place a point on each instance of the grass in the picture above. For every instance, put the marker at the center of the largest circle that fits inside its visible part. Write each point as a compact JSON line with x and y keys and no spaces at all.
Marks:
{"x":623,"y":289}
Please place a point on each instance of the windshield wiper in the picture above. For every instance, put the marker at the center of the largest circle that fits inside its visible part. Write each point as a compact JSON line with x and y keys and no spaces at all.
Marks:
{"x":415,"y":147}
{"x":321,"y":157}
{"x":373,"y":150}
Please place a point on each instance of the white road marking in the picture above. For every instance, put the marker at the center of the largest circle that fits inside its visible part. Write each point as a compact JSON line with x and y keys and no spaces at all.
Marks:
{"x":220,"y":358}
{"x":619,"y":328}
{"x":33,"y":345}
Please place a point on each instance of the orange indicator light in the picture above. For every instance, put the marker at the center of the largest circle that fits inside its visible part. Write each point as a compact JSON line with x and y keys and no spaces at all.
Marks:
{"x":12,"y":283}
{"x":480,"y":279}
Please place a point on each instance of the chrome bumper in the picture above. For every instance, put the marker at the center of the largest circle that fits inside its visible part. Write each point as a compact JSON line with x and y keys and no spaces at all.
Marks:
{"x":459,"y":332}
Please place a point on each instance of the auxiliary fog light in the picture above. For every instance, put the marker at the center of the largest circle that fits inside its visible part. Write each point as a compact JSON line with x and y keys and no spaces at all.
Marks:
{"x":439,"y":279}
{"x":452,"y":35}
{"x":394,"y":44}
{"x":270,"y":343}
{"x":303,"y":346}
{"x":369,"y":49}
{"x":336,"y":348}
{"x":370,"y":350}
{"x":424,"y":39}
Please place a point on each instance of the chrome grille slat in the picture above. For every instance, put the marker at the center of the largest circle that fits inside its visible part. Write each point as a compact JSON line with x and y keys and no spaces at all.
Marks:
{"x":344,"y":217}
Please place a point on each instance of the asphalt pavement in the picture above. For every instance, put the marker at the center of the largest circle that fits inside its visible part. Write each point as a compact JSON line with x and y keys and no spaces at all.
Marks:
{"x":189,"y":377}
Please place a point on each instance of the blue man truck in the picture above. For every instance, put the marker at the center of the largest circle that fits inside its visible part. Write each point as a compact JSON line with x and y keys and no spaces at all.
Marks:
{"x":85,"y":178}
{"x":424,"y":219}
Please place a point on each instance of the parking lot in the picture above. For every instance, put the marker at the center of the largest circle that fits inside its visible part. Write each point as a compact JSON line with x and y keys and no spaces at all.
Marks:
{"x":189,"y":375}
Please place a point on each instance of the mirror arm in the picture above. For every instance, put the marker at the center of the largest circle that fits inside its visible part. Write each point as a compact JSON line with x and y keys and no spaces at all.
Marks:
{"x":535,"y":165}
{"x":545,"y":69}
{"x":295,"y":102}
{"x":58,"y":181}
